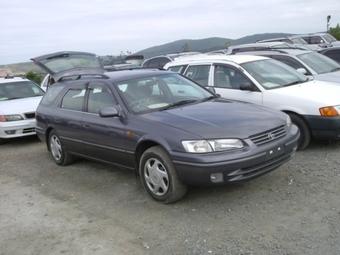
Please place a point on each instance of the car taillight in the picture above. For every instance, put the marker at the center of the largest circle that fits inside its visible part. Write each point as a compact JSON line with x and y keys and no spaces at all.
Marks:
{"x":2,"y":118}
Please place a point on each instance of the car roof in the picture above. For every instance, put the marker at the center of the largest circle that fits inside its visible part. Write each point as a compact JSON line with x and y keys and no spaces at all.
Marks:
{"x":293,"y":52}
{"x":12,"y":79}
{"x":238,"y":59}
{"x":257,"y":44}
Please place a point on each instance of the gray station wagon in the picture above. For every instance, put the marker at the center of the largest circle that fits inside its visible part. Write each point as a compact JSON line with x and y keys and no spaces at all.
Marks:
{"x":170,"y":130}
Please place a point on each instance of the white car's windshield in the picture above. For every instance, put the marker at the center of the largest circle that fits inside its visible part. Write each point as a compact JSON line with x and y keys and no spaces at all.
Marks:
{"x":319,"y":63}
{"x":329,"y":38}
{"x":160,"y":92}
{"x":298,"y":40}
{"x":17,"y":90}
{"x":272,"y":74}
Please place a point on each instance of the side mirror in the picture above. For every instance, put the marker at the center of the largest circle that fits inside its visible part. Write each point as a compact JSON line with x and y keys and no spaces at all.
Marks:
{"x":108,"y":112}
{"x":211,"y":89}
{"x":247,"y":86}
{"x":302,"y":71}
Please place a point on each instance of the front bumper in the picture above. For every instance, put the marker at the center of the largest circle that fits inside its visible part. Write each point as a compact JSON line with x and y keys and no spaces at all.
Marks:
{"x":12,"y":129}
{"x":238,"y":166}
{"x":324,"y":127}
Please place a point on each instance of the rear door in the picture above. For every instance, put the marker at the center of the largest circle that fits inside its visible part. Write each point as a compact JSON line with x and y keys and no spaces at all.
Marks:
{"x":227,"y":81}
{"x":105,"y":137}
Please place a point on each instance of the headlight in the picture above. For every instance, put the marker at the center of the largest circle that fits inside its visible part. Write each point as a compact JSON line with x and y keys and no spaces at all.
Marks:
{"x":13,"y":117}
{"x":330,"y":111}
{"x":204,"y":146}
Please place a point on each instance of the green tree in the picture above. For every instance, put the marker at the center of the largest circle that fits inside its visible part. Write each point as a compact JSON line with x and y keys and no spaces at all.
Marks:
{"x":335,"y":31}
{"x":33,"y":76}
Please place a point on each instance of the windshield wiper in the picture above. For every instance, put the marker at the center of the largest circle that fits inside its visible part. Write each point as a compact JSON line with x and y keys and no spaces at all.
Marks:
{"x":179,"y":103}
{"x":209,"y":98}
{"x":293,"y":83}
{"x":335,"y":69}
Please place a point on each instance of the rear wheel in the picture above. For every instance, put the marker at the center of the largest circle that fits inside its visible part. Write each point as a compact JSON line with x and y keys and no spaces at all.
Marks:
{"x":159,"y":177}
{"x":305,"y":134}
{"x":58,"y":152}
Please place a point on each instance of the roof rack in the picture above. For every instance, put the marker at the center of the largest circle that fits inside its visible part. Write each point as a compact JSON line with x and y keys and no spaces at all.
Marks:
{"x":80,"y":76}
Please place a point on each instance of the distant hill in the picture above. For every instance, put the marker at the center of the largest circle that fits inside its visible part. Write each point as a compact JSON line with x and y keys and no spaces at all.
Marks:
{"x":204,"y":45}
{"x":201,"y":45}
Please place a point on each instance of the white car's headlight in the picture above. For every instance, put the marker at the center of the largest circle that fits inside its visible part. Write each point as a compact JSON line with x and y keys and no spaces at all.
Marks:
{"x":12,"y":117}
{"x":204,"y":146}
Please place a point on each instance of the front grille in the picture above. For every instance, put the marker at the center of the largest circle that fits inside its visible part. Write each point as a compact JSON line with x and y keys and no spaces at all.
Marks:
{"x":28,"y":130}
{"x":30,"y":115}
{"x":269,"y":135}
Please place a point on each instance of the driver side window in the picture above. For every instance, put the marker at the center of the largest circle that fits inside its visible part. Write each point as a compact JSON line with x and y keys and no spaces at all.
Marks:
{"x":229,"y":78}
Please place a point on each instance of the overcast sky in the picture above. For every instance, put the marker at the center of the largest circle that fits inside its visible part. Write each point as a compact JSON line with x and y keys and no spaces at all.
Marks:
{"x":35,"y":27}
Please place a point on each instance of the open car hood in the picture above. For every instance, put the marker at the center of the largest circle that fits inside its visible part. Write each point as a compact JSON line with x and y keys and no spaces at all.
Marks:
{"x":69,"y":63}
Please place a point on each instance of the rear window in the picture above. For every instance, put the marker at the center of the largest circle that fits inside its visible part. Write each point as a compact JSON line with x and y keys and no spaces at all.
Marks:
{"x":51,"y":95}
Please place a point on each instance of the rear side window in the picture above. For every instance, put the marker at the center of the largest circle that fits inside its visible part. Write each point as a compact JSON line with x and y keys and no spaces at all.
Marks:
{"x":177,"y":69}
{"x":99,"y":97}
{"x":74,"y":99}
{"x":290,"y":61}
{"x":51,"y":95}
{"x":199,"y":74}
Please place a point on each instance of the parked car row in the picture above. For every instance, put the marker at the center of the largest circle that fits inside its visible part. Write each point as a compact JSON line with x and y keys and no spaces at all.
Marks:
{"x":208,"y":119}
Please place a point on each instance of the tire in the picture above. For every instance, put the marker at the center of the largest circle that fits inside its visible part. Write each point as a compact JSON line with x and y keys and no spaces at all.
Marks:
{"x":59,"y":154}
{"x":161,"y":182}
{"x":305,"y":134}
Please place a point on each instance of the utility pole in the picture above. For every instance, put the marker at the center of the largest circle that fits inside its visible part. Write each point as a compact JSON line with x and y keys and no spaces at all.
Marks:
{"x":328,"y":20}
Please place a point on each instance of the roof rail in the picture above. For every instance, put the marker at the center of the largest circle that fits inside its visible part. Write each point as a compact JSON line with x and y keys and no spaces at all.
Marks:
{"x":80,"y":76}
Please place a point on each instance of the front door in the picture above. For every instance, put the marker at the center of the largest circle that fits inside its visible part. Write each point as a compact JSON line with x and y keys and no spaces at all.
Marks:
{"x":105,"y":137}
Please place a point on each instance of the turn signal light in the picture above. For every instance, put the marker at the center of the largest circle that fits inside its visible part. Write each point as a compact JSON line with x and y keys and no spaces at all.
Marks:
{"x":329,"y":111}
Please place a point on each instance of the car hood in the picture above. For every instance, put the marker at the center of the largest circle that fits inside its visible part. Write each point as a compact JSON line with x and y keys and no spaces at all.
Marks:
{"x":19,"y":106}
{"x":332,"y":77}
{"x":325,"y":93}
{"x":220,"y":119}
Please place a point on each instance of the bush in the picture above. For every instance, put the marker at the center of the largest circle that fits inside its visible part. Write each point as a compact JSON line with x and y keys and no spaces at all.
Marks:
{"x":335,"y":31}
{"x":33,"y":76}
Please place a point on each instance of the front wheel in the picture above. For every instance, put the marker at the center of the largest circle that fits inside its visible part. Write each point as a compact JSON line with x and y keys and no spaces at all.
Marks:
{"x":305,"y":134}
{"x":58,"y":153}
{"x":159,"y":177}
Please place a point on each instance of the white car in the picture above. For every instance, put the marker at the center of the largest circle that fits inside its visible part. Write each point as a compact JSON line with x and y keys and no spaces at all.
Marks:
{"x":19,"y":99}
{"x":314,"y":106}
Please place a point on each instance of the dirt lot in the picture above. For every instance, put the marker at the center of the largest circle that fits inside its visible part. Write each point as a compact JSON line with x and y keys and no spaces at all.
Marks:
{"x":91,"y":208}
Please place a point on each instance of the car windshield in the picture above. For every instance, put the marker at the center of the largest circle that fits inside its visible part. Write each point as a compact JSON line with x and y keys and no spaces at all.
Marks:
{"x":160,"y":92}
{"x":71,"y":61}
{"x":329,"y":38}
{"x":298,"y":40}
{"x":272,"y":74}
{"x":319,"y":63}
{"x":17,"y":90}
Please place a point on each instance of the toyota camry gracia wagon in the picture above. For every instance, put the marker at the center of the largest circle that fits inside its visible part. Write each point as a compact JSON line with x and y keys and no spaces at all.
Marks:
{"x":172,"y":131}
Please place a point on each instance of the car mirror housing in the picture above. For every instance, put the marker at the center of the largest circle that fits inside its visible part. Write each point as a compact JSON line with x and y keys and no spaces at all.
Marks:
{"x":211,"y":89}
{"x":247,"y":86}
{"x":108,"y":112}
{"x":302,"y":71}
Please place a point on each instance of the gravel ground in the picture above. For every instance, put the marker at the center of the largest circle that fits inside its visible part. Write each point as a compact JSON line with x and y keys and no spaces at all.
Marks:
{"x":91,"y":208}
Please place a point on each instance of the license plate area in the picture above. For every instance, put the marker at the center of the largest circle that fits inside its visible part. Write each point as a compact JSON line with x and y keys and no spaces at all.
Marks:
{"x":275,"y":151}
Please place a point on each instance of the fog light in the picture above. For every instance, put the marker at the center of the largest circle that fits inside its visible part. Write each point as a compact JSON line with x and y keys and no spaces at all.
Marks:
{"x":216,"y":177}
{"x":10,"y":132}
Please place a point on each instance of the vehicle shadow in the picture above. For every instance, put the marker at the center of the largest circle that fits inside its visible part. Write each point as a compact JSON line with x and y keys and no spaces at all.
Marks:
{"x":26,"y":140}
